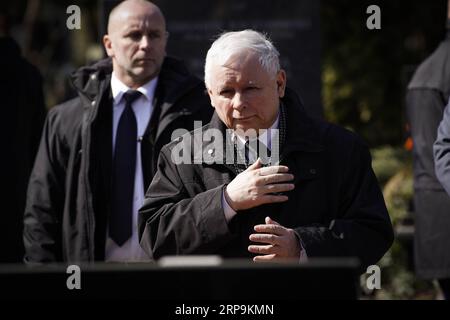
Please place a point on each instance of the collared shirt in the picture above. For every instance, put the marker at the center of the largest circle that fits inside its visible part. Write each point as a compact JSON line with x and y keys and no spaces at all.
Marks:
{"x":266,"y":138}
{"x":142,"y":107}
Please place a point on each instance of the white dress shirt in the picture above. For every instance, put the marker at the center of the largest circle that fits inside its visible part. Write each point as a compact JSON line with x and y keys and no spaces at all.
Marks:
{"x":266,"y":138}
{"x":142,"y":107}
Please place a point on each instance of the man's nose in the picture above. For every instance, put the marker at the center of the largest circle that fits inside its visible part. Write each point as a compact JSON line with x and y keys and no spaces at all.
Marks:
{"x":145,"y":42}
{"x":239,"y":102}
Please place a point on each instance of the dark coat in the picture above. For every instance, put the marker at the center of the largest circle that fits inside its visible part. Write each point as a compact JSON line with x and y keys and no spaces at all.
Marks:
{"x":68,"y":195}
{"x":23,"y":114}
{"x":337,"y":207}
{"x":427,"y":95}
{"x":442,"y":151}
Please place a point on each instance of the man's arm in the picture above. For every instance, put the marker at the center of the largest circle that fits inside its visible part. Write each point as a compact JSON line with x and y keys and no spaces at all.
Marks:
{"x":424,"y":110}
{"x":45,"y":197}
{"x":172,"y":222}
{"x":442,"y":151}
{"x":362,"y":227}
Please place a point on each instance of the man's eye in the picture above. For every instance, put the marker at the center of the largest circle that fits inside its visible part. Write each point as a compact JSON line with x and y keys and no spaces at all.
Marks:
{"x":135,"y":35}
{"x":225,"y":92}
{"x":252,"y":88}
{"x":154,"y":35}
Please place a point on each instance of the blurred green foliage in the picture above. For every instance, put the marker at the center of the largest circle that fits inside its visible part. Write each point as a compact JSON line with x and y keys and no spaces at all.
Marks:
{"x":393,"y":168}
{"x":365,"y":72}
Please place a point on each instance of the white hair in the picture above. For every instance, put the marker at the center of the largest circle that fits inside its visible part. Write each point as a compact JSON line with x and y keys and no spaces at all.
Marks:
{"x":229,"y":44}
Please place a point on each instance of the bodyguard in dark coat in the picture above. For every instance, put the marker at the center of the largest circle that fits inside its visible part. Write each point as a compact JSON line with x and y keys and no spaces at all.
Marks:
{"x":70,"y":190}
{"x":427,"y":95}
{"x":322,"y":199}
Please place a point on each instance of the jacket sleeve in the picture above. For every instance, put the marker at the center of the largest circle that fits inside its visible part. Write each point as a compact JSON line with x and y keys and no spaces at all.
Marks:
{"x":45,"y":198}
{"x":174,"y":221}
{"x":442,"y":151}
{"x":362,"y":227}
{"x":424,"y":109}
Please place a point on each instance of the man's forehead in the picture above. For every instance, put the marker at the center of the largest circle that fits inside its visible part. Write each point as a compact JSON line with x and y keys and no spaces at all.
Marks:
{"x":240,"y":61}
{"x":233,"y":79}
{"x":138,"y":22}
{"x":128,"y":19}
{"x":223,"y":75}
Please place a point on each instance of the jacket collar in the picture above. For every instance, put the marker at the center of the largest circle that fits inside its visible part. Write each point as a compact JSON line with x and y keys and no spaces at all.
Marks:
{"x":174,"y":81}
{"x":303,"y":132}
{"x":88,"y":80}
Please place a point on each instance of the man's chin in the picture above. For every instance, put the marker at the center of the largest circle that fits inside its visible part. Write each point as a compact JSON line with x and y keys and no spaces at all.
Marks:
{"x":143,"y":76}
{"x":246,"y":127}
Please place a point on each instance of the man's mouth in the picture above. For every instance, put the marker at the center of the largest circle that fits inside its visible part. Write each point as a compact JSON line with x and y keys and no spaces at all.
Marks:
{"x":144,"y":60}
{"x":243,"y":118}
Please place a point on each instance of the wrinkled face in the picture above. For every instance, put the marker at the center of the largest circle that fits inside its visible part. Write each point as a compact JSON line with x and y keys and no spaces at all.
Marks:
{"x":245,"y":95}
{"x":137,"y":44}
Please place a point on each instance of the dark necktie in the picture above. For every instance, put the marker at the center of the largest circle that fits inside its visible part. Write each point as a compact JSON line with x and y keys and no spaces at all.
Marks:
{"x":247,"y":153}
{"x":258,"y":149}
{"x":240,"y":159}
{"x":124,"y":166}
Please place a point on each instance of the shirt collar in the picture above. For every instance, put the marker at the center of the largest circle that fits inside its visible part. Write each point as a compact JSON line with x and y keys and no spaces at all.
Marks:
{"x":118,"y":88}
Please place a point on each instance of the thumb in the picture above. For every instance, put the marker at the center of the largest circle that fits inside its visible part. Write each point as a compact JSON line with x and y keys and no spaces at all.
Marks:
{"x":270,"y":221}
{"x":255,"y":165}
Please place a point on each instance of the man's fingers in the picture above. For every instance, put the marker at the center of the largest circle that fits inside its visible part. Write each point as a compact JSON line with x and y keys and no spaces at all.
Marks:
{"x":267,"y":257}
{"x":272,"y":170}
{"x":255,"y":165}
{"x":270,"y":221}
{"x":274,"y":188}
{"x":264,"y":238}
{"x":268,"y":198}
{"x":275,"y":178}
{"x":265,"y":249}
{"x":270,"y":229}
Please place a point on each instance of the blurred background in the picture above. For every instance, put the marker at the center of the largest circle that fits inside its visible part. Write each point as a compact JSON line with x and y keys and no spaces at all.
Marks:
{"x":346,"y":73}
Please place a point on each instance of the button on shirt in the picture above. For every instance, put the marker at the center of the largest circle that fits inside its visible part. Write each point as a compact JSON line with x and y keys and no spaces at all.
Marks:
{"x":265,"y":138}
{"x":142,"y":107}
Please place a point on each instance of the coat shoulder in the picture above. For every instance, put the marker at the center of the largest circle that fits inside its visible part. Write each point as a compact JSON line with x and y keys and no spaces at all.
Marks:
{"x":341,"y":139}
{"x":66,"y":117}
{"x":186,"y":138}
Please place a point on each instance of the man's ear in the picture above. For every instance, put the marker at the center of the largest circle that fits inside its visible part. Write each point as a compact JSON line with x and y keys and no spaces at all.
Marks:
{"x":108,"y":45}
{"x":281,"y":83}
{"x":211,"y":97}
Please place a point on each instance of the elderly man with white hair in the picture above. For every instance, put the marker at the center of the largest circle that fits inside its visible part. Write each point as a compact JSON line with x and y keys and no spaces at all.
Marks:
{"x":319,"y":198}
